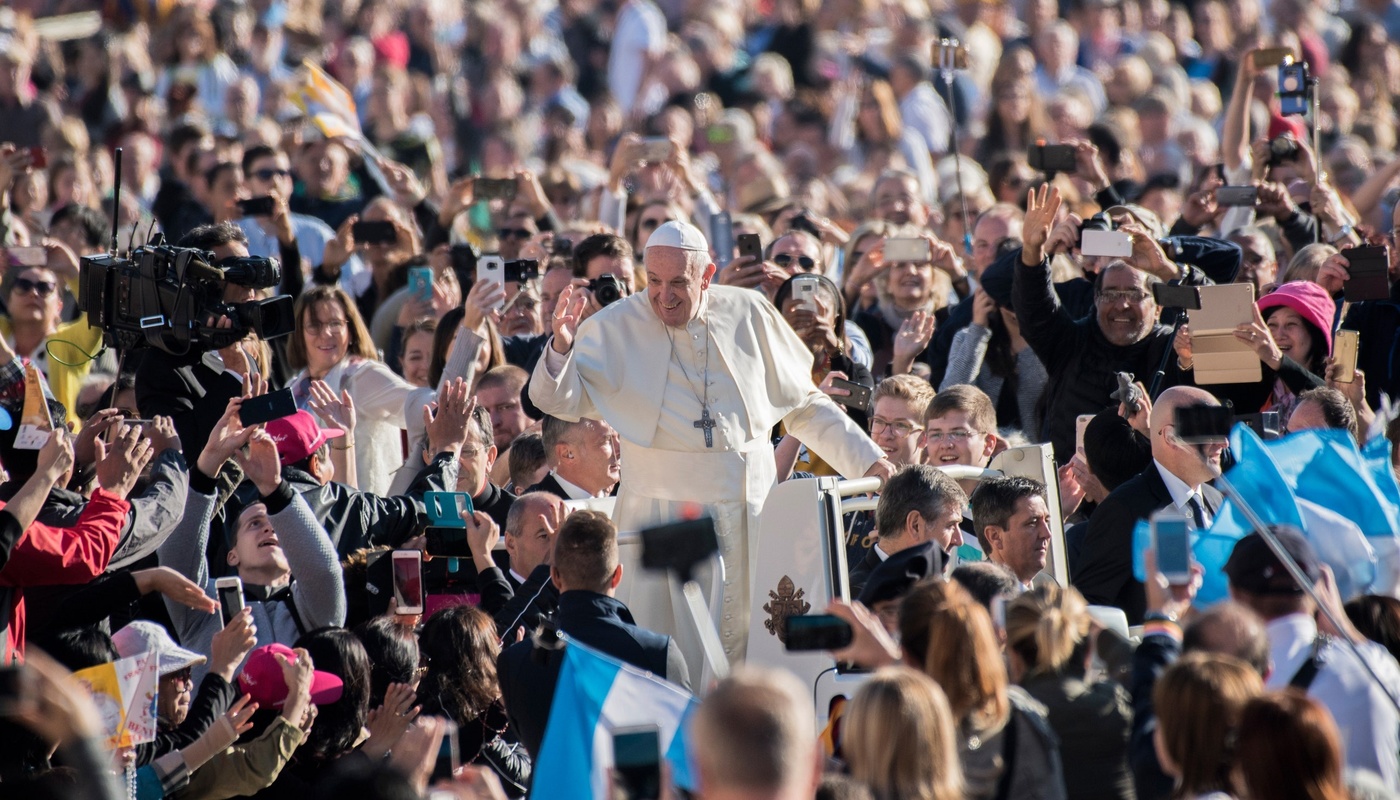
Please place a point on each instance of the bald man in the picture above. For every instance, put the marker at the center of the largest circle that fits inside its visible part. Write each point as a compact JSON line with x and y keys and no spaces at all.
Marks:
{"x":1175,"y":479}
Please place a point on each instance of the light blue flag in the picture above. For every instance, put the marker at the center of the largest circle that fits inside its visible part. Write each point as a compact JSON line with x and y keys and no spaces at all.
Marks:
{"x":597,"y":695}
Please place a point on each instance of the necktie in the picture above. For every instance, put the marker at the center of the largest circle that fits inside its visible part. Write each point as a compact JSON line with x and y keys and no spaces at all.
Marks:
{"x":1198,"y":512}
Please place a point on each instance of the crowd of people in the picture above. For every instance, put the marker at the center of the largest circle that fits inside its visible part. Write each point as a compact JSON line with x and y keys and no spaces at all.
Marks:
{"x":544,"y":254}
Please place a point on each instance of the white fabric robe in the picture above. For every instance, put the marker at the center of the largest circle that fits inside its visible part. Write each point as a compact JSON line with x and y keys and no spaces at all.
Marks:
{"x":647,"y":381}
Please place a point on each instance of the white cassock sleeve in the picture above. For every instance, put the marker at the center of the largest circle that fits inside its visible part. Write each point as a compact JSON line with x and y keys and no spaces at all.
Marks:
{"x":557,"y":388}
{"x":830,"y":432}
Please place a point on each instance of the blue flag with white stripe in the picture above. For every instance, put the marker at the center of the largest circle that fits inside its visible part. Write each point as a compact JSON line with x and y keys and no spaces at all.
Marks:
{"x":597,"y":695}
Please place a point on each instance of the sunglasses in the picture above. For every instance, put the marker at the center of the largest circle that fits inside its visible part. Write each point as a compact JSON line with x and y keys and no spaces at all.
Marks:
{"x":806,"y":263}
{"x":269,"y":174}
{"x":513,"y":233}
{"x":43,"y":288}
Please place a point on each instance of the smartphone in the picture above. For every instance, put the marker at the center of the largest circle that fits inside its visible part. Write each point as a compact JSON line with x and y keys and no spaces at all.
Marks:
{"x":38,"y":158}
{"x":907,"y":249}
{"x":522,"y":270}
{"x":29,"y":256}
{"x":1370,"y":273}
{"x":463,"y":258}
{"x":816,"y":632}
{"x":1344,"y":350}
{"x":637,"y":762}
{"x":653,"y":149}
{"x":267,"y":407}
{"x":449,"y":757}
{"x":408,"y":581}
{"x":1113,"y":244}
{"x":1236,"y":196}
{"x":722,"y":238}
{"x":1203,"y":424}
{"x":230,"y":592}
{"x":381,"y":232}
{"x":949,"y":54}
{"x":1171,"y":540}
{"x":494,"y":188}
{"x":859,"y":397}
{"x":1052,"y":158}
{"x":420,"y":283}
{"x":1169,"y":296}
{"x":750,"y":246}
{"x":447,"y":542}
{"x":259,"y":207}
{"x":804,"y":291}
{"x":1272,"y":56}
{"x":1293,"y":89}
{"x":491,"y":269}
{"x":1081,"y":424}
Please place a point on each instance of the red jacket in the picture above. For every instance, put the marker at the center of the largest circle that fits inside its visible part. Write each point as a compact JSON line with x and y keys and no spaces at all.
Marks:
{"x":46,"y":556}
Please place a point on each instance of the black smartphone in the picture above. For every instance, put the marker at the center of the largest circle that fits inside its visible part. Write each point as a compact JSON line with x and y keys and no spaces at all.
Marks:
{"x":1266,"y":424}
{"x":267,"y":407}
{"x":1202,"y":424}
{"x":525,"y":269}
{"x":859,"y":397}
{"x":679,"y":545}
{"x":816,"y":632}
{"x":257,"y":206}
{"x":382,"y":232}
{"x":1052,"y":158}
{"x":1370,"y":273}
{"x":449,"y":756}
{"x":463,"y":259}
{"x":1232,"y":196}
{"x":637,"y":762}
{"x":447,"y":542}
{"x":1169,"y":296}
{"x":750,"y":246}
{"x":494,"y":188}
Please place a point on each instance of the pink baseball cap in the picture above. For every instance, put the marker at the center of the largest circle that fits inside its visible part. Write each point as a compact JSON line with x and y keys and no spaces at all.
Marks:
{"x":262,"y":679}
{"x":299,"y":435}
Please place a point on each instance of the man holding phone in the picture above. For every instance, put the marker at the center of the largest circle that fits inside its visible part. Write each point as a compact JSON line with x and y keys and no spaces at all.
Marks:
{"x":267,"y":175}
{"x":1377,"y":321}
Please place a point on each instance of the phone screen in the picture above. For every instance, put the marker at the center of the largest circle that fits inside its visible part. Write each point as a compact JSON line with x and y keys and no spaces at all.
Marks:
{"x":420,"y":283}
{"x":1173,"y":545}
{"x":449,"y":756}
{"x":637,"y":763}
{"x":230,"y":600}
{"x":816,"y":632}
{"x":408,"y":581}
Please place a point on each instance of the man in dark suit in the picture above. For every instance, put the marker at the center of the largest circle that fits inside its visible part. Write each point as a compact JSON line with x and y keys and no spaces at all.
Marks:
{"x":587,"y":572}
{"x":1175,"y":479}
{"x":583,"y":458}
{"x":919,"y":504}
{"x":521,"y":592}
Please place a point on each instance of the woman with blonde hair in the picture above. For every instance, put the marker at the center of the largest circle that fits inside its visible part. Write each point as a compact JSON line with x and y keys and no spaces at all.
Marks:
{"x":900,"y":740}
{"x":1048,"y":647}
{"x":1003,"y":737}
{"x":1199,"y":702}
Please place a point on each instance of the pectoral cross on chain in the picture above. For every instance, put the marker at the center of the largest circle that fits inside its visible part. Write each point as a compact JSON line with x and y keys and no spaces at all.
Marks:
{"x":708,"y":423}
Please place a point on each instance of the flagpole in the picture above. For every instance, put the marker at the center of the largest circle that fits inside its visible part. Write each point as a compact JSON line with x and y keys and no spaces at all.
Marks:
{"x":1289,"y":564}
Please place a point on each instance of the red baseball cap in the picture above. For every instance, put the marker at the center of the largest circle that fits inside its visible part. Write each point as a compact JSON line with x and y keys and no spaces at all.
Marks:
{"x":299,"y":435}
{"x":262,"y":679}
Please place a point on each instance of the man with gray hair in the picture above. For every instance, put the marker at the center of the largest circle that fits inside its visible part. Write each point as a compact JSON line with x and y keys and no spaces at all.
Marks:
{"x":919,"y":504}
{"x":694,"y":377}
{"x":753,"y":738}
{"x":583,"y":458}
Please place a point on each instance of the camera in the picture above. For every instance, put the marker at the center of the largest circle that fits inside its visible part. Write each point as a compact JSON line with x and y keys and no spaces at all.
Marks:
{"x":1098,"y":222}
{"x":606,"y":289}
{"x":170,"y":298}
{"x":522,"y":270}
{"x":1282,"y":150}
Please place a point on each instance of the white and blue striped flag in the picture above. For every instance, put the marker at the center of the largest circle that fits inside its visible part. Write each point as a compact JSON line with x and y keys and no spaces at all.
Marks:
{"x":597,"y":695}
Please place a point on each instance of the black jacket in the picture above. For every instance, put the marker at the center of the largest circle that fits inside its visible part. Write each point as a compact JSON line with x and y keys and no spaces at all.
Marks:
{"x":213,"y":698}
{"x":187,"y":389}
{"x":860,"y":573}
{"x":1150,"y":659}
{"x":1081,"y":363}
{"x":513,"y":604}
{"x":1105,"y":570}
{"x":550,"y":485}
{"x":1378,"y":322}
{"x":1093,"y":722}
{"x":528,"y":678}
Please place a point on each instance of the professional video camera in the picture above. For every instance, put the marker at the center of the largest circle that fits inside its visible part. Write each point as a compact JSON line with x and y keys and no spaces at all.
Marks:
{"x":171,"y":298}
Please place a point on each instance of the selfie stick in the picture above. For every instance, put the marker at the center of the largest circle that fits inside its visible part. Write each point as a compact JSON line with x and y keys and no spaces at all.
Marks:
{"x":947,"y":63}
{"x":1316,"y":143}
{"x":1259,"y":526}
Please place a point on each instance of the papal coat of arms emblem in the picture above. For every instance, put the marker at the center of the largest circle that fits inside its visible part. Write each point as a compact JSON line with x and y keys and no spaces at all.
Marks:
{"x":785,"y":602}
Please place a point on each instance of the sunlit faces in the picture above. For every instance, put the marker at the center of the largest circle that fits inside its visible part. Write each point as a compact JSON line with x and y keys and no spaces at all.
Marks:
{"x":952,"y":439}
{"x":1126,"y":310}
{"x":326,"y":335}
{"x":675,"y":281}
{"x":1024,"y":544}
{"x":1290,"y":333}
{"x":896,"y":430}
{"x":417,"y":358}
{"x":896,"y":199}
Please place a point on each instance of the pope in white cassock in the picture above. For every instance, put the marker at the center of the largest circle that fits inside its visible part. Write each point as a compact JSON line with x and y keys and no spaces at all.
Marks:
{"x":693,"y":377}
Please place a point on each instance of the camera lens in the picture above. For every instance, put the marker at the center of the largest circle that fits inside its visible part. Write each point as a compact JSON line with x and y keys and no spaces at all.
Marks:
{"x":606,"y":289}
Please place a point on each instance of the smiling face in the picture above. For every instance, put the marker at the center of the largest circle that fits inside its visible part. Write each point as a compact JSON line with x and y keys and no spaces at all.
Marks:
{"x":909,"y":283}
{"x":896,"y":200}
{"x":1126,"y":310}
{"x":1290,"y":333}
{"x":952,"y":439}
{"x":675,"y":282}
{"x":326,"y":331}
{"x":895,"y":428}
{"x":417,"y":356}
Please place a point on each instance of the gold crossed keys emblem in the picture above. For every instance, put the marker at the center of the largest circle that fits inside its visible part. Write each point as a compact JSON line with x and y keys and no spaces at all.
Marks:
{"x":785,"y":602}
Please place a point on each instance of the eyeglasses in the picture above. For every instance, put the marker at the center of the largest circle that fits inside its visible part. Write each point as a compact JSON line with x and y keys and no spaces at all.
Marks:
{"x":513,"y":233}
{"x":333,"y":327}
{"x":956,"y":436}
{"x":901,"y":428}
{"x":270,"y":174}
{"x":806,"y":263}
{"x":654,"y":223}
{"x":185,"y":675}
{"x":43,"y":288}
{"x":1123,"y":295}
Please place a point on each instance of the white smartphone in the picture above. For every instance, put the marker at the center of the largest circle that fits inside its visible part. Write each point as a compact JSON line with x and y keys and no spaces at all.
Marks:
{"x":910,"y":248}
{"x":1081,"y":424}
{"x":804,"y":290}
{"x":1171,"y":541}
{"x":408,"y":581}
{"x":230,"y":592}
{"x":654,"y":149}
{"x":492,"y":269}
{"x":1113,"y":244}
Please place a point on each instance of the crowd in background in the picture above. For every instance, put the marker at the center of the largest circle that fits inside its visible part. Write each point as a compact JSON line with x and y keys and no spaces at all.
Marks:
{"x":906,"y":176}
